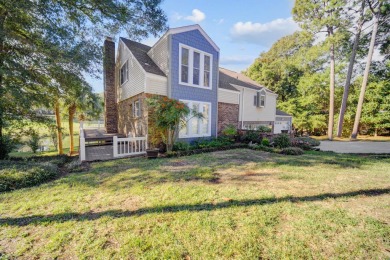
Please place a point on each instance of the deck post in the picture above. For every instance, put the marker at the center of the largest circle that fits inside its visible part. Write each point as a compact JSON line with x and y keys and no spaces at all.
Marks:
{"x":115,"y":146}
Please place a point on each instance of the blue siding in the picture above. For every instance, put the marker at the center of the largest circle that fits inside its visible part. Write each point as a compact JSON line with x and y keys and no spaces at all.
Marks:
{"x":196,"y":40}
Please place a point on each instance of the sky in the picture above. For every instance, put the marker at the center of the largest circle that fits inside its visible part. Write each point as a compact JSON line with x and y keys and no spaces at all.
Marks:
{"x":241,"y":29}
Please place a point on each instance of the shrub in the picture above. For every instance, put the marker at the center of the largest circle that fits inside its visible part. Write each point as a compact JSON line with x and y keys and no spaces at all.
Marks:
{"x":265,"y":142}
{"x":212,"y":142}
{"x":205,"y":150}
{"x":33,"y":143}
{"x":181,"y":146}
{"x":6,"y":146}
{"x":251,"y":136}
{"x":24,"y":174}
{"x":229,"y":131}
{"x":264,"y":129}
{"x":292,"y":151}
{"x":282,"y":141}
{"x":306,"y":143}
{"x":263,"y":148}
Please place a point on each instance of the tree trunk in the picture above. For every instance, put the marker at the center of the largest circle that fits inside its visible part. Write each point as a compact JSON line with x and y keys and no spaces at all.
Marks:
{"x":59,"y":128}
{"x":71,"y":112}
{"x":2,"y":39}
{"x":349,"y":73}
{"x":365,"y":80}
{"x":331,"y":93}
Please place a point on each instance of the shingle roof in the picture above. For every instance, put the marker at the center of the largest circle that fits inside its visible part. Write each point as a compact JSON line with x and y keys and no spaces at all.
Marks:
{"x":281,"y":113}
{"x":229,"y":77}
{"x":140,"y":52}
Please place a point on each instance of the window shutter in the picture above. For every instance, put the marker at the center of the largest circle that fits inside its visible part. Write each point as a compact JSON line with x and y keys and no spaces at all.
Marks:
{"x":255,"y":100}
{"x":258,"y":99}
{"x":132,"y":109}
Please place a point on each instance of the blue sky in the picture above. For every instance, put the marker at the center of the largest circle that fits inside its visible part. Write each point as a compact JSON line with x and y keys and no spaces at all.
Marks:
{"x":241,"y":29}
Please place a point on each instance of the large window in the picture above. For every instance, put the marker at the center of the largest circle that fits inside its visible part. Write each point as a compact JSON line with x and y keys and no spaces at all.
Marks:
{"x":124,"y":73}
{"x":195,"y":67}
{"x":197,"y":127}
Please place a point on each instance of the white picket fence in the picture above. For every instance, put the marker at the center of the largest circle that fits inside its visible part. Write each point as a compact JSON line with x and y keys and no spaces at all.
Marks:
{"x":129,"y":146}
{"x":82,"y":143}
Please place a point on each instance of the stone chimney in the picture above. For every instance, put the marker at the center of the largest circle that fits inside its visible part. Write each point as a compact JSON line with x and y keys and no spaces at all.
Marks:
{"x":110,"y":105}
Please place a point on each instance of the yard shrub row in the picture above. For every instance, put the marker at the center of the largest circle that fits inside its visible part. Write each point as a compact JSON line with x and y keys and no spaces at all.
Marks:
{"x":305,"y":143}
{"x":25,"y":174}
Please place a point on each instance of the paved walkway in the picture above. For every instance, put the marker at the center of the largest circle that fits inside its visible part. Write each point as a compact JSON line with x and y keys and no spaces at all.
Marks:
{"x":355,"y":147}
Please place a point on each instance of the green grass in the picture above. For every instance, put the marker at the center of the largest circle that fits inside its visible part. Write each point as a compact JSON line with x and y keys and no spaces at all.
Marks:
{"x":242,"y":204}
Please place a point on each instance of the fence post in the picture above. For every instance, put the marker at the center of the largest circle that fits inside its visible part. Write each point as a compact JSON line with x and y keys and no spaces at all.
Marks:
{"x":115,"y":146}
{"x":82,"y":143}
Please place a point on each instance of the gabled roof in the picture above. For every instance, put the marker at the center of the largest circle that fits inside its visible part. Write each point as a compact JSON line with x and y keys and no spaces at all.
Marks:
{"x":140,"y":52}
{"x":229,"y":78}
{"x":187,"y":29}
{"x":281,"y":113}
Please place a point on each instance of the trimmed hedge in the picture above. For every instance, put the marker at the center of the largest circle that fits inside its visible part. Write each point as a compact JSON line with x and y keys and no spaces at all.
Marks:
{"x":205,"y":150}
{"x":292,"y":151}
{"x":25,"y":174}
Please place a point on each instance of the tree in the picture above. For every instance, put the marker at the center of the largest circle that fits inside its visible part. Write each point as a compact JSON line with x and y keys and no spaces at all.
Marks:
{"x":377,"y":15}
{"x":43,"y":42}
{"x":361,"y":20}
{"x":80,"y":99}
{"x":316,"y":16}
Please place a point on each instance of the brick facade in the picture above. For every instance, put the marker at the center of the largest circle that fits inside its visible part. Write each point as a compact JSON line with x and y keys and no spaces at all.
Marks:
{"x":227,"y":115}
{"x":110,"y":107}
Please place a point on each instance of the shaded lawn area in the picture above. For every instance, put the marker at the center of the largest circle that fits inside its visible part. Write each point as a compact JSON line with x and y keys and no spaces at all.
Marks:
{"x":230,"y":204}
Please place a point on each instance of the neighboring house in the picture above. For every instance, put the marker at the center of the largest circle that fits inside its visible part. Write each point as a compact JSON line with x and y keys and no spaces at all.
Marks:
{"x":184,"y":65}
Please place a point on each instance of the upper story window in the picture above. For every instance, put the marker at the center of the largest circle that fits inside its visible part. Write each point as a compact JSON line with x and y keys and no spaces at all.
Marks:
{"x":195,"y":67}
{"x":259,"y":99}
{"x":124,"y":72}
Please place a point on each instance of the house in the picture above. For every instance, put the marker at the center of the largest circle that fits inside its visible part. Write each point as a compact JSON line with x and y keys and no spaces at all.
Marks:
{"x":184,"y":65}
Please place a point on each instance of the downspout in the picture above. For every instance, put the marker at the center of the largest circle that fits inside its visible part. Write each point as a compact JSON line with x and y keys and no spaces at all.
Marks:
{"x":216,"y":119}
{"x":242,"y":110}
{"x":169,"y":92}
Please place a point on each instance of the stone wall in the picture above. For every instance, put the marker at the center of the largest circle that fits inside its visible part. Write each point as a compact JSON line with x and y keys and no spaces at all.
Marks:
{"x":127,"y":123}
{"x":110,"y":107}
{"x":227,"y":115}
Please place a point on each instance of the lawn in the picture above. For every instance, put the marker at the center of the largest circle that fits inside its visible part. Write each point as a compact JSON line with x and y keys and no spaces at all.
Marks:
{"x":231,"y":204}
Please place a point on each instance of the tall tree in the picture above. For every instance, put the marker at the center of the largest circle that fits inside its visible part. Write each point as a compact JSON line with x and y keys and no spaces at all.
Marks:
{"x":45,"y":40}
{"x":375,"y":7}
{"x":318,"y":16}
{"x":361,"y":20}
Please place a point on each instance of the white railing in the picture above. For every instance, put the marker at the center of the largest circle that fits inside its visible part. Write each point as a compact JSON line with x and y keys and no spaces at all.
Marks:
{"x":129,"y":146}
{"x":82,"y":143}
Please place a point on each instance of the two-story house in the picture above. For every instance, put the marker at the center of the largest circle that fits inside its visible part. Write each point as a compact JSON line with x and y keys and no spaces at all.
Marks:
{"x":184,"y":65}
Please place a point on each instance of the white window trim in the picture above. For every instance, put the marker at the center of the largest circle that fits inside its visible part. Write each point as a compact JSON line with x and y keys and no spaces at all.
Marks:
{"x":191,"y":67}
{"x":127,"y":74}
{"x":191,"y":135}
{"x":136,"y":113}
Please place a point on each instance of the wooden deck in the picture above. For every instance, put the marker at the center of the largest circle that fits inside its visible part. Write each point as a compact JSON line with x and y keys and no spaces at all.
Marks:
{"x":92,"y":135}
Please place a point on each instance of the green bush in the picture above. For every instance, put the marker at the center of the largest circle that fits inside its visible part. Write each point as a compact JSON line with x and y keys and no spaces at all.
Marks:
{"x":292,"y":151}
{"x":263,"y":148}
{"x":16,"y":175}
{"x":6,"y":146}
{"x":264,"y":129}
{"x":251,"y":136}
{"x":212,"y":142}
{"x":265,"y":142}
{"x":306,"y":143}
{"x":282,"y":141}
{"x":205,"y":150}
{"x":229,"y":131}
{"x":181,"y":146}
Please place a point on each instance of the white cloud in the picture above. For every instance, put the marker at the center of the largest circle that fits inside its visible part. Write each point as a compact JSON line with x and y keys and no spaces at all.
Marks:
{"x":196,"y":17}
{"x":220,"y":21}
{"x":264,"y":34}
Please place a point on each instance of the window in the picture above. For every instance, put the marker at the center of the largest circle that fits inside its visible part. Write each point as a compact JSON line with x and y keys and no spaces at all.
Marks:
{"x":136,"y":108}
{"x":124,"y":73}
{"x":184,"y":64}
{"x":195,"y":67}
{"x":259,"y":99}
{"x":207,"y":66}
{"x":197,"y":127}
